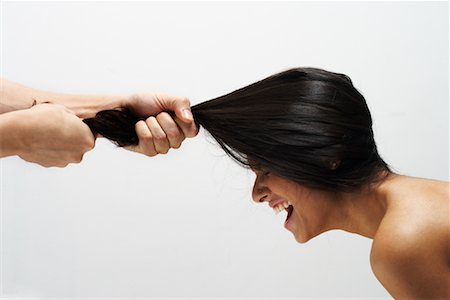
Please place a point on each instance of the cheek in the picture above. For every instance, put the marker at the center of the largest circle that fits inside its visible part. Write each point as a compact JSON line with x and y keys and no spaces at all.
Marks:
{"x":305,"y":226}
{"x":286,"y":189}
{"x":310,"y":212}
{"x":309,"y":217}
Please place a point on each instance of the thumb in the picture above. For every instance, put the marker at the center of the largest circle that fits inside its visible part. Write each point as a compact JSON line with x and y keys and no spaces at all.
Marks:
{"x":184,"y":114}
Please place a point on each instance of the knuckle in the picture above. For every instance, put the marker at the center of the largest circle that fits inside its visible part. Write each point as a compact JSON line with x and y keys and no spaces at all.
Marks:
{"x":88,"y":144}
{"x":162,"y":116}
{"x":61,"y":164}
{"x":193,"y":132}
{"x":189,"y":134}
{"x":146,"y":149}
{"x":160,"y":137}
{"x":164,"y":151}
{"x":146,"y":137}
{"x":149,"y":120}
{"x":173,"y":134}
{"x":150,"y":153}
{"x":139,"y":124}
{"x":91,"y":144}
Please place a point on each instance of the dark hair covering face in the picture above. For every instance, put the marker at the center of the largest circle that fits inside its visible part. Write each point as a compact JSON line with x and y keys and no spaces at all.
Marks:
{"x":306,"y":125}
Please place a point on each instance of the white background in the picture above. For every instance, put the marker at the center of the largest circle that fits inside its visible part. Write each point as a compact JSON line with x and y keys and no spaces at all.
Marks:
{"x":183,"y":225}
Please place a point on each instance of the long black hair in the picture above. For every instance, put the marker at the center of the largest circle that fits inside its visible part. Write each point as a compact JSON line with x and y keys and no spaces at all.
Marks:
{"x":307,"y":125}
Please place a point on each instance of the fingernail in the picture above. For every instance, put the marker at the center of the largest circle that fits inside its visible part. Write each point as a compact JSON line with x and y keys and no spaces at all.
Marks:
{"x":187,"y":114}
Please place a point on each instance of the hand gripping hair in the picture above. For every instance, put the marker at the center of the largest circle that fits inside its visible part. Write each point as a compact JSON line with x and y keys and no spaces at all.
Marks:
{"x":307,"y":125}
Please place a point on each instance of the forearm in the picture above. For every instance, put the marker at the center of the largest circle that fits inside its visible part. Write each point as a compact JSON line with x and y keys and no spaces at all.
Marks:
{"x":15,"y":96}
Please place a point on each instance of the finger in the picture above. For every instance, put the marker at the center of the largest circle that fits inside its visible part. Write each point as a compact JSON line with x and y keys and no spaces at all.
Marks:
{"x":189,"y":130}
{"x":78,"y":159}
{"x":87,"y":130}
{"x":174,"y":134}
{"x":180,"y":105}
{"x":159,"y":136}
{"x":86,"y":138}
{"x":145,"y":145}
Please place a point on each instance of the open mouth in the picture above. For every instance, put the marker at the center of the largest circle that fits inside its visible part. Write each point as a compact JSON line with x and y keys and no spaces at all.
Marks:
{"x":282,"y":205}
{"x":289,"y":210}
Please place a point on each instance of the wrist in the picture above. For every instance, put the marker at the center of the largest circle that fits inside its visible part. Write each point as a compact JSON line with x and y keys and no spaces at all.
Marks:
{"x":88,"y":106}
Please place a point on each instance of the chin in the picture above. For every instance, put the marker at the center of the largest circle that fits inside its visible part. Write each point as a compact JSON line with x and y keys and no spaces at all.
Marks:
{"x":300,"y":238}
{"x":303,"y":238}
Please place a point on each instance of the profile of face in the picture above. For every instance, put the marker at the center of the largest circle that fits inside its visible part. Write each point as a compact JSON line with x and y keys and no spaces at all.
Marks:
{"x":309,"y":211}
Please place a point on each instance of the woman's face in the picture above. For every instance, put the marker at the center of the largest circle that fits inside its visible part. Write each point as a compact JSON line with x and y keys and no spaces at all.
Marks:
{"x":310,"y":212}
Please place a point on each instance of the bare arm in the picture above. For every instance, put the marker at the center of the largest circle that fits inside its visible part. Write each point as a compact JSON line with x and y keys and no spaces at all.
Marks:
{"x":15,"y":96}
{"x":156,"y":134}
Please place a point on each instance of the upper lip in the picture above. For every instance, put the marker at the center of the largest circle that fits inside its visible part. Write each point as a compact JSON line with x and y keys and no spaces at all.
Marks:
{"x":274,"y":203}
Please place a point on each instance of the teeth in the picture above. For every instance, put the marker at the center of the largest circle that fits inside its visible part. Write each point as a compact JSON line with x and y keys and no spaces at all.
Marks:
{"x":277,"y":209}
{"x":281,"y":207}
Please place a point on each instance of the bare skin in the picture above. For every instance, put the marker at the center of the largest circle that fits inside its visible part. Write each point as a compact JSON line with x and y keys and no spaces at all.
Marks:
{"x":407,"y":218}
{"x":53,"y":135}
{"x":27,"y":133}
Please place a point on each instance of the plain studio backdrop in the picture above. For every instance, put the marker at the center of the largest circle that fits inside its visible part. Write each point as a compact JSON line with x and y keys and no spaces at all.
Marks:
{"x":121,"y":224}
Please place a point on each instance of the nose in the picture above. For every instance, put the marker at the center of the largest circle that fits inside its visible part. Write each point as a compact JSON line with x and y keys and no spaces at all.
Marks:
{"x":260,"y":192}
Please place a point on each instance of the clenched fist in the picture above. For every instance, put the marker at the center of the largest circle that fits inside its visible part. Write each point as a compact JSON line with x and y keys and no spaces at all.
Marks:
{"x":49,"y":134}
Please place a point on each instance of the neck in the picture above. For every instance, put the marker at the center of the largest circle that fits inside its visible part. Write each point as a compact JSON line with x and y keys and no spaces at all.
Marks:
{"x":361,"y":212}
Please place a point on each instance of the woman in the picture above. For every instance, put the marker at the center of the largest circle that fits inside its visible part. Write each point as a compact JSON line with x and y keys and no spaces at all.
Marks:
{"x":307,"y":134}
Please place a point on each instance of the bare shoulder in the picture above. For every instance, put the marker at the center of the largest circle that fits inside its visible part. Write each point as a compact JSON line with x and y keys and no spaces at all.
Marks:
{"x":411,"y":250}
